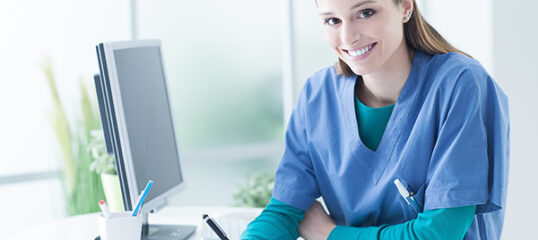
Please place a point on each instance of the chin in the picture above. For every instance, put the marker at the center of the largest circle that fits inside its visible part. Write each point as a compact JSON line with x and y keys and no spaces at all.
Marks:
{"x":360,"y":70}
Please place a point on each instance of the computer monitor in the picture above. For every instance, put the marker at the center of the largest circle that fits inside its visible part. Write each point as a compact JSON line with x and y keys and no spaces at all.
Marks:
{"x":138,"y":127}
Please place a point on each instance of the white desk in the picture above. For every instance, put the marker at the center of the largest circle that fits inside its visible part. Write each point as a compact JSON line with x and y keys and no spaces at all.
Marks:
{"x":85,"y":226}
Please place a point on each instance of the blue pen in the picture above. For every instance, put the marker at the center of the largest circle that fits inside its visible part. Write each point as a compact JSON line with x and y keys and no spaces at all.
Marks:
{"x":141,"y":200}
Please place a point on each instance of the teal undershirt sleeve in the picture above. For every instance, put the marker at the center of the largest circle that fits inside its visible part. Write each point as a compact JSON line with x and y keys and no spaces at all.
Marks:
{"x":280,"y":221}
{"x":440,"y":224}
{"x":277,"y":221}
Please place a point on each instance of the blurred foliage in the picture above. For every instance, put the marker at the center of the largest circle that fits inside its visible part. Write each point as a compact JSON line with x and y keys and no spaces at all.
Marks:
{"x":82,"y":187}
{"x":231,"y":116}
{"x":102,"y":161}
{"x":231,"y":105}
{"x":256,"y":191}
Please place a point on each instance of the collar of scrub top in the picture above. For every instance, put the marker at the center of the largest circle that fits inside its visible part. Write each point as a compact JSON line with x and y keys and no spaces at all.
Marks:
{"x":398,"y":118}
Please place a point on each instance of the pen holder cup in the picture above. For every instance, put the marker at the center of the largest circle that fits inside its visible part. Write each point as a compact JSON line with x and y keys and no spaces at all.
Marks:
{"x":120,"y":225}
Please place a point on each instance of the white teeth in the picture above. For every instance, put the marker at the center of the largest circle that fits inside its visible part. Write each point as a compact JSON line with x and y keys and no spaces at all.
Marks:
{"x":360,"y":51}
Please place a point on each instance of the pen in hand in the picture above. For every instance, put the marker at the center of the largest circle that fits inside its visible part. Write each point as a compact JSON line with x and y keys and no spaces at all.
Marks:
{"x":216,"y":228}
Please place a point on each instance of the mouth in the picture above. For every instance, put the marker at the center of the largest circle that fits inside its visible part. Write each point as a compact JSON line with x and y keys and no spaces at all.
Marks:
{"x":360,"y":53}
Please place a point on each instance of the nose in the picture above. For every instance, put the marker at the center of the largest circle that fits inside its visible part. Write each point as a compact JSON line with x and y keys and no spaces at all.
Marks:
{"x":348,"y":35}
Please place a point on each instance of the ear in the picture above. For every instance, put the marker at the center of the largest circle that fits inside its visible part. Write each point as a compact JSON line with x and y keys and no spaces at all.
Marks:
{"x":406,"y":7}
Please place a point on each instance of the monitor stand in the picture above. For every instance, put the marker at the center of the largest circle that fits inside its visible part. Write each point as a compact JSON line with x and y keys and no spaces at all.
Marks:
{"x":167,"y":232}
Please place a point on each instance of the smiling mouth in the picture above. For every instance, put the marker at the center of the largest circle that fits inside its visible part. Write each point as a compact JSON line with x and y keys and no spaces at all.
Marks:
{"x":360,"y":52}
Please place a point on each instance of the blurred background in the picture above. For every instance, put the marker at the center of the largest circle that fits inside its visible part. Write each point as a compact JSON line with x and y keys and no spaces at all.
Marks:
{"x":225,"y":63}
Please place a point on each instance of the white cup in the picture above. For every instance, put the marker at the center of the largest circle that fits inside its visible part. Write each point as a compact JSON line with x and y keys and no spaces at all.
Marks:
{"x":120,"y":226}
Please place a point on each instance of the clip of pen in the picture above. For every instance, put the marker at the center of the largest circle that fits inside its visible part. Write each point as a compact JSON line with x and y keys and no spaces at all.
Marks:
{"x":408,"y":197}
{"x":216,"y":228}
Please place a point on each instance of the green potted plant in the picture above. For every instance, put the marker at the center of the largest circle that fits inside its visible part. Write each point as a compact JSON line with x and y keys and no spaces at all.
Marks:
{"x":103,"y":164}
{"x":255,"y":191}
{"x":82,"y":188}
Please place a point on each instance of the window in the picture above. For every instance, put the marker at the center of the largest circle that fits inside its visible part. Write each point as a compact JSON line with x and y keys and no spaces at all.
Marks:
{"x":223,"y":61}
{"x":64,"y":32}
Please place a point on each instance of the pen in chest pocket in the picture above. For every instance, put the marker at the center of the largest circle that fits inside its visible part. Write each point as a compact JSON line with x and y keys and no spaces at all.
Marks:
{"x":408,"y":196}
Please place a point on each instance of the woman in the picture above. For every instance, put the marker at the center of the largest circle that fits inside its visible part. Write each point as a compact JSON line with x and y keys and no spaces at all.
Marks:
{"x":401,"y":103}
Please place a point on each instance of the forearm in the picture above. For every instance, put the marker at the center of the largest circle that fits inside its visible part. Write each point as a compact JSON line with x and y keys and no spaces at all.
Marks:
{"x":277,"y":221}
{"x":440,"y":224}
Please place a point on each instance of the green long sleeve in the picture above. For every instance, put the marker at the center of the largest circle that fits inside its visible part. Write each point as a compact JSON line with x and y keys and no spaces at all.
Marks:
{"x":280,"y":221}
{"x":440,"y":224}
{"x":277,"y":221}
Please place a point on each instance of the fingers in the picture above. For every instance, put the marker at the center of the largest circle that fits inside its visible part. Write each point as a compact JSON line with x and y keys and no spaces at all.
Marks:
{"x":315,"y":204}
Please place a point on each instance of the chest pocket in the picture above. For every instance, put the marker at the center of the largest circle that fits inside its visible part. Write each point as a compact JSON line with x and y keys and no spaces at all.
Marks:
{"x":410,"y":212}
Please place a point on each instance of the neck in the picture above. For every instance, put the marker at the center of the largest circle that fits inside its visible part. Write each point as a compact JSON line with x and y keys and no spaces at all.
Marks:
{"x":382,"y":87}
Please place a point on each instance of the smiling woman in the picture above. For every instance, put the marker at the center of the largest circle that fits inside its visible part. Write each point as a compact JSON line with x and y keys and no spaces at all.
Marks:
{"x":401,"y":103}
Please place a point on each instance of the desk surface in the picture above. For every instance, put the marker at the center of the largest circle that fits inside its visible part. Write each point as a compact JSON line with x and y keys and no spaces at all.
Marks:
{"x":85,"y":226}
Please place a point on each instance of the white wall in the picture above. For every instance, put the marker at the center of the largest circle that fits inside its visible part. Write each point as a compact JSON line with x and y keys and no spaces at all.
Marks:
{"x":515,"y":39}
{"x":465,"y":24}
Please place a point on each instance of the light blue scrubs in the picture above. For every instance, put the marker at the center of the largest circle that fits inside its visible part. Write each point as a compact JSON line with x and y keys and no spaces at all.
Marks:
{"x":447,"y":139}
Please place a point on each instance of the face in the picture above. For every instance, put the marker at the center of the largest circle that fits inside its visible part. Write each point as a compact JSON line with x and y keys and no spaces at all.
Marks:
{"x":364,"y":33}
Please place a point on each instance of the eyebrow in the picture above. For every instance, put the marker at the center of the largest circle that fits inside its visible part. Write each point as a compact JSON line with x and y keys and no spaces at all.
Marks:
{"x":353,"y":7}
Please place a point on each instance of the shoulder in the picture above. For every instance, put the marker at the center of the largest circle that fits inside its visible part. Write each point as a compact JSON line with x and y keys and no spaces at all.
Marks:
{"x":452,"y":77}
{"x":452,"y":74}
{"x":325,"y":83}
{"x":453,"y":70}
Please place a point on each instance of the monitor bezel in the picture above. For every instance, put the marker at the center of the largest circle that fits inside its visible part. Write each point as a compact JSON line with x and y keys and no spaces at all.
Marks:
{"x":161,"y":200}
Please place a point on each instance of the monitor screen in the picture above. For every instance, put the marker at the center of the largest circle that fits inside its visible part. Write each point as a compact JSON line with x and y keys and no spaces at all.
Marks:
{"x":137,"y":120}
{"x":138,"y":128}
{"x":148,"y":118}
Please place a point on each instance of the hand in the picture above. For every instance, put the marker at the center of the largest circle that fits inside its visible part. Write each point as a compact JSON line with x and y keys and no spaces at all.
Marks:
{"x":316,"y":224}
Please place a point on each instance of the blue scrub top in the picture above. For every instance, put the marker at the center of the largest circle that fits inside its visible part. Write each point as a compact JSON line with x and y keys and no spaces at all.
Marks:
{"x":447,"y":139}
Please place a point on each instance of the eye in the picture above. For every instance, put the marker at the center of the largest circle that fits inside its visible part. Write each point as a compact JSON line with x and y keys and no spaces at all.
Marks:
{"x":366,"y":13}
{"x":332,"y":21}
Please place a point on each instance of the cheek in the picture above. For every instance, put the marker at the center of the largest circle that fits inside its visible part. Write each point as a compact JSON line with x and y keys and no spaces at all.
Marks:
{"x":394,"y":31}
{"x":378,"y":29}
{"x":332,"y":37}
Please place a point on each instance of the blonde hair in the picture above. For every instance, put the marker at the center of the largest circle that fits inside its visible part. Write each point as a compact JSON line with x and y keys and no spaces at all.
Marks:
{"x":419,"y":36}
